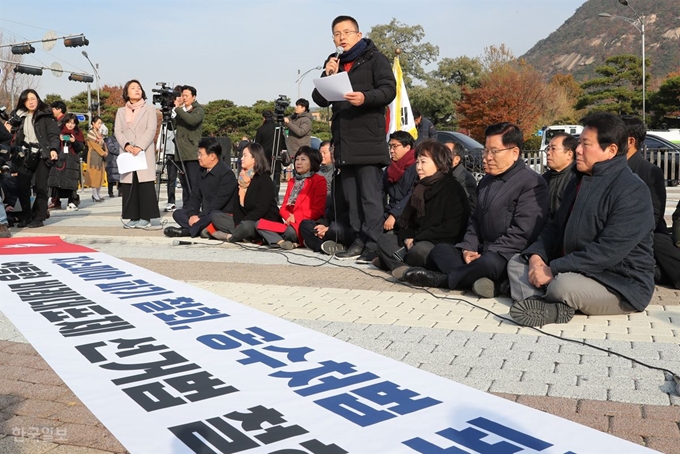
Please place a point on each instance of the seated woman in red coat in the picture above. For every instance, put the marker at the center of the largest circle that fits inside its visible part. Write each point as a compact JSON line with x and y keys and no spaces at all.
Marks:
{"x":305,"y":199}
{"x":437,"y":212}
{"x":256,"y":199}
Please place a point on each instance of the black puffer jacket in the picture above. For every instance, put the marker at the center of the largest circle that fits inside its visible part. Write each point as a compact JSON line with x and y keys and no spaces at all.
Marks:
{"x":47,"y":131}
{"x":359,"y":131}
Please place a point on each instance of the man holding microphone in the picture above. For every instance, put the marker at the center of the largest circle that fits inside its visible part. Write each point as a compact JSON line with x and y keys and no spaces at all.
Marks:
{"x":358,"y":129}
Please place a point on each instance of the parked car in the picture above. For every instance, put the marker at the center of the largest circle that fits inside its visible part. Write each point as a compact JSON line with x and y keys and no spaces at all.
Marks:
{"x":473,"y":151}
{"x":664,"y":154}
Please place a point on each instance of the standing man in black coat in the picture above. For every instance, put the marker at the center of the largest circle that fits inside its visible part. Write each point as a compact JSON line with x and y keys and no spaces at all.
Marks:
{"x":512,"y":207}
{"x":215,"y":192}
{"x":667,"y":256}
{"x":265,"y":135}
{"x":426,"y":129}
{"x":358,"y":129}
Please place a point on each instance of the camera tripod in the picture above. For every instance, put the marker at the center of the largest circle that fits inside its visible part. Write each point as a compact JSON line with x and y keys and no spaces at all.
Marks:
{"x":162,"y":161}
{"x":278,"y":145}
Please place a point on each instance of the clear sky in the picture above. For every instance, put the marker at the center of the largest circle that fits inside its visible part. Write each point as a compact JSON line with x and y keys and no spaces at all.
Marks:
{"x":246,"y":50}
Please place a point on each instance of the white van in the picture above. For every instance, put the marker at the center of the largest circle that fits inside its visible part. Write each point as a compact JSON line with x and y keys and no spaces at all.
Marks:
{"x":552,"y":131}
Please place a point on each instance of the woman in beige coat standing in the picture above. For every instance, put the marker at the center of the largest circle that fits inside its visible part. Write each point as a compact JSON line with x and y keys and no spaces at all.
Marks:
{"x":96,"y":158}
{"x":135,"y":129}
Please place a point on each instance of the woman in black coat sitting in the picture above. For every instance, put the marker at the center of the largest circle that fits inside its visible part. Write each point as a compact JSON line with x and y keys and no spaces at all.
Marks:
{"x":256,"y":199}
{"x":437,"y":212}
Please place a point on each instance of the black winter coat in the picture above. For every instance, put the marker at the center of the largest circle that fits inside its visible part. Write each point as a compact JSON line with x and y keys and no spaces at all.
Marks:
{"x":265,"y":136}
{"x":511,"y":210}
{"x":467,"y":180}
{"x":46,"y":129}
{"x":446,"y":215}
{"x":426,"y":130}
{"x":652,"y":176}
{"x":259,"y":202}
{"x":216,"y":191}
{"x":65,"y":173}
{"x":112,"y":173}
{"x":557,"y":181}
{"x":398,"y":193}
{"x":359,"y":131}
{"x":603,"y":230}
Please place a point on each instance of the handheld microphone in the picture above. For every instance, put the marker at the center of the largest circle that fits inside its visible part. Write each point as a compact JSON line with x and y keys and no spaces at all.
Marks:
{"x":338,"y":51}
{"x":183,"y":243}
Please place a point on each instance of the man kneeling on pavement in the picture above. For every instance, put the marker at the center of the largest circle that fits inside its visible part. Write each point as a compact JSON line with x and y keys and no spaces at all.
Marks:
{"x":596,"y":254}
{"x":214,"y":194}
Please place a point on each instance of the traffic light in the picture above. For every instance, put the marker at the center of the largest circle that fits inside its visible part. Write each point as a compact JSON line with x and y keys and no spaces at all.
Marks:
{"x":31,"y":70}
{"x":22,"y":49}
{"x":81,"y":78}
{"x":76,"y":41}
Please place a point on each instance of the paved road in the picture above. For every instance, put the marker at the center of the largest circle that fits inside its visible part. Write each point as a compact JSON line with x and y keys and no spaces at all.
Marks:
{"x":449,"y":333}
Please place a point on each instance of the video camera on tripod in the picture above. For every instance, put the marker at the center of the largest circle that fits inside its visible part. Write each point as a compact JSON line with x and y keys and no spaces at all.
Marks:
{"x":280,"y":106}
{"x":165,"y":98}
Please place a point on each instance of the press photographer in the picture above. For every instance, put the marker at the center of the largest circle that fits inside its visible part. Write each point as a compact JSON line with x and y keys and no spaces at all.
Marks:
{"x":299,"y":127}
{"x":188,"y":124}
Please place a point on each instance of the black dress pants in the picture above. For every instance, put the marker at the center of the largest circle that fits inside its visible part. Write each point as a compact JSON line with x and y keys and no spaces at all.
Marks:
{"x":224,"y":222}
{"x":24,"y":179}
{"x":388,"y":244}
{"x":182,"y":218}
{"x":336,"y":232}
{"x":667,"y":257}
{"x":189,"y":179}
{"x":361,"y":185}
{"x":449,"y":260}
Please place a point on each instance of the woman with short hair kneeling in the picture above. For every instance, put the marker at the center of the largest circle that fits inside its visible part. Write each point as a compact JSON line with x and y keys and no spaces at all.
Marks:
{"x":437,"y":212}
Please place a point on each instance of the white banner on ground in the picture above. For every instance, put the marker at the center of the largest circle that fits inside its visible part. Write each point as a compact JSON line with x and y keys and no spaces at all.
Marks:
{"x":169,"y":368}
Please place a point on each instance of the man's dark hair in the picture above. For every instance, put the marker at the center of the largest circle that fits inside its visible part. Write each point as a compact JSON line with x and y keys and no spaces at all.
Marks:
{"x":126,"y":98}
{"x":211,"y":146}
{"x":339,"y":19}
{"x":511,"y":134}
{"x":416,"y":113}
{"x":569,"y":142}
{"x":190,"y":88}
{"x":458,"y":149}
{"x":304,"y":103}
{"x":324,"y":143}
{"x":261,"y":162}
{"x":267,"y":114}
{"x":313,"y":154}
{"x":403,"y":138}
{"x":610,"y":130}
{"x":438,"y":152}
{"x":636,"y":129}
{"x":61,"y":105}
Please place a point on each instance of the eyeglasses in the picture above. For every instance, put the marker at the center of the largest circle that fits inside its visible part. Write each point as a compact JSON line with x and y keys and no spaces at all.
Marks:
{"x":337,"y":35}
{"x":486,"y":152}
{"x":392,"y":146}
{"x":554,"y":149}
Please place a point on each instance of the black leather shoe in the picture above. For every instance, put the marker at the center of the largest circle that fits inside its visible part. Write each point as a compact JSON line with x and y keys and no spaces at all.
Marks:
{"x":174,"y":232}
{"x":354,"y":250}
{"x":367,"y":256}
{"x":425,"y":278}
{"x":35,"y":224}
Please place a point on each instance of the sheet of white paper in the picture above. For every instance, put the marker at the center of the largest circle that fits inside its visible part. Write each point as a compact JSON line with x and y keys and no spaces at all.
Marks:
{"x":334,"y":87}
{"x":128,"y":163}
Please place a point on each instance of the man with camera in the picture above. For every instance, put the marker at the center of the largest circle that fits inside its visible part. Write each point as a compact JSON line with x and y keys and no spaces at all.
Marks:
{"x":299,"y":127}
{"x":188,"y":124}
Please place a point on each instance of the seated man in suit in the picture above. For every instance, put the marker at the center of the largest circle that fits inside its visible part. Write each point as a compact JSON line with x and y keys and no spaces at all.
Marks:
{"x":461,"y":174}
{"x":512,"y":206}
{"x":215,"y":193}
{"x":561,"y":156}
{"x":596,"y":255}
{"x":667,"y":256}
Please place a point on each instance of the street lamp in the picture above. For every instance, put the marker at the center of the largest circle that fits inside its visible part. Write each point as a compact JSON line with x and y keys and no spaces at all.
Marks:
{"x":96,"y":74}
{"x":639,"y":24}
{"x":300,"y":77}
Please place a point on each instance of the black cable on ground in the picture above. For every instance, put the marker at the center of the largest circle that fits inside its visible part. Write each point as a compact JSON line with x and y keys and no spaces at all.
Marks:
{"x":323,"y":261}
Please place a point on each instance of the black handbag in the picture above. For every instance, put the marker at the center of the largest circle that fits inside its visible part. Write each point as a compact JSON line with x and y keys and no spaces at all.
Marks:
{"x":31,"y":158}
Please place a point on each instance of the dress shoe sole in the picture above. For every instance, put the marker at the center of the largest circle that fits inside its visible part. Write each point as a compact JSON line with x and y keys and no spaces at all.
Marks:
{"x":346,"y":257}
{"x":536,"y":312}
{"x":331,"y":247}
{"x":485,"y":288}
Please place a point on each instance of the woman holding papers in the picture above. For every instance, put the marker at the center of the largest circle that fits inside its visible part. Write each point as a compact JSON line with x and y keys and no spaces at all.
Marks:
{"x":135,"y":129}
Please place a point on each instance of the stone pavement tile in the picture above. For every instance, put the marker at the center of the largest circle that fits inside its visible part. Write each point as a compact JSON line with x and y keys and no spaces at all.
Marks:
{"x":619,"y":383}
{"x":525,"y":388}
{"x":550,"y":378}
{"x":78,"y":414}
{"x":16,"y":423}
{"x":18,"y":445}
{"x":37,"y":408}
{"x":90,"y":436}
{"x":495,"y":374}
{"x":32,"y":390}
{"x":65,"y":449}
{"x":645,"y":427}
{"x":663,"y":413}
{"x":664,"y":444}
{"x":639,"y":397}
{"x":557,"y":406}
{"x":577,"y":392}
{"x":618,"y":409}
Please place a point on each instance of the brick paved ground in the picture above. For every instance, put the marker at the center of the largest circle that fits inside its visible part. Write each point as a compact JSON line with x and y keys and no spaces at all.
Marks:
{"x":440,"y":332}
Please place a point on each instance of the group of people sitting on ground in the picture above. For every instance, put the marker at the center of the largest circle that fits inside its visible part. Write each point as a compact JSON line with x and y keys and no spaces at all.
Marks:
{"x":589,"y":235}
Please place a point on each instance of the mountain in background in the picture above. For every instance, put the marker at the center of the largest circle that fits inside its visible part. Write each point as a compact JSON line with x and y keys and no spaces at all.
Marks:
{"x":585,"y":40}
